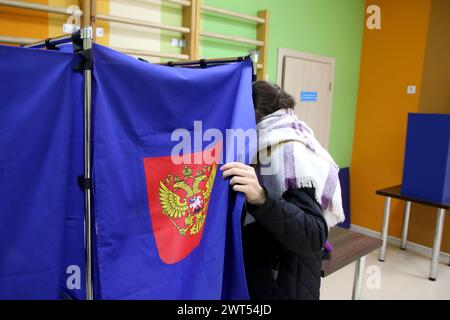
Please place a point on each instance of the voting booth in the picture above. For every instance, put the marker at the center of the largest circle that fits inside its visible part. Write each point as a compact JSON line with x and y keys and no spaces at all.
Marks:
{"x":426,"y":172}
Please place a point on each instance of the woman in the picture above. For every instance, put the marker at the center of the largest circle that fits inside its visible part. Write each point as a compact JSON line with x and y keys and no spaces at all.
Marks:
{"x":290,"y":204}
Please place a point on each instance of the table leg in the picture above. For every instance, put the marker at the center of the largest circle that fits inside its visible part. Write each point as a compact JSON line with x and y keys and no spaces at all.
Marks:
{"x":405,"y":225}
{"x":437,"y":243}
{"x":384,"y":232}
{"x":359,"y":276}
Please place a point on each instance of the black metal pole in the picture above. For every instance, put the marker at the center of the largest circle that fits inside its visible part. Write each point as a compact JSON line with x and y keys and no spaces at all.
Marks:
{"x":205,"y":62}
{"x":50,"y":41}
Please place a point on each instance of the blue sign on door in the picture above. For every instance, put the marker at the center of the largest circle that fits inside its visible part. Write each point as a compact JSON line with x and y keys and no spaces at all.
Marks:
{"x":308,"y":96}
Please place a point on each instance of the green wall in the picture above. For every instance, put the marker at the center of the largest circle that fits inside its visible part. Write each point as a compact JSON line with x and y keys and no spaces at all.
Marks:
{"x":325,"y":27}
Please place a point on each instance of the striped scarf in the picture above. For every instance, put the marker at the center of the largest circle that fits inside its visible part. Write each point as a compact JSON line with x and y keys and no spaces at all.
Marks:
{"x":290,"y":157}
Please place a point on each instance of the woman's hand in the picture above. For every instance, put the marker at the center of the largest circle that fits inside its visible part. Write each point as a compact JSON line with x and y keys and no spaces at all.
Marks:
{"x":244,"y":180}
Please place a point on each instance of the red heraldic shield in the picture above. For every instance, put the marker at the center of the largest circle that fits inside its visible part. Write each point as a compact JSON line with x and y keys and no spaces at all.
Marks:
{"x":178,"y":197}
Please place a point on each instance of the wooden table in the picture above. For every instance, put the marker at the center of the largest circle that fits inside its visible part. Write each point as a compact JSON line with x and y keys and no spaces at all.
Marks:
{"x":395,"y":192}
{"x":348,"y":247}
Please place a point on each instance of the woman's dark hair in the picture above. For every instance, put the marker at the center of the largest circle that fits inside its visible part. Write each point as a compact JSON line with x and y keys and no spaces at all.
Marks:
{"x":268,"y":98}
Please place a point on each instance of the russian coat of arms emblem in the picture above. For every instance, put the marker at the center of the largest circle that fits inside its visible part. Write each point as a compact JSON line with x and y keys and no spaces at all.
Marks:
{"x":193,"y":203}
{"x":178,"y":197}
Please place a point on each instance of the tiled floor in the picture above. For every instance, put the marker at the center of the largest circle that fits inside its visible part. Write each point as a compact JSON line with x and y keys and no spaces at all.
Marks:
{"x":403,"y":276}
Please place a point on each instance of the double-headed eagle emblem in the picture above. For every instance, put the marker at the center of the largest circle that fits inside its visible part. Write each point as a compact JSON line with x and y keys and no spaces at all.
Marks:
{"x":193,"y":204}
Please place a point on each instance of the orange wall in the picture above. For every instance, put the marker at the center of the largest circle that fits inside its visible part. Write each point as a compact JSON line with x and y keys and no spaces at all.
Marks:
{"x":392,"y":58}
{"x":41,"y":25}
{"x":435,"y":96}
{"x":24,"y":23}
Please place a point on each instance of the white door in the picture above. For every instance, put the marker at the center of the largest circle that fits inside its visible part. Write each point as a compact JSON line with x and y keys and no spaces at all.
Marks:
{"x":309,"y":79}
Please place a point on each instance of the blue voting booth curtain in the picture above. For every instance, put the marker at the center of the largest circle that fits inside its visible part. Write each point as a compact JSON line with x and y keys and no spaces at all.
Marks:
{"x":165,"y":230}
{"x":41,"y":206}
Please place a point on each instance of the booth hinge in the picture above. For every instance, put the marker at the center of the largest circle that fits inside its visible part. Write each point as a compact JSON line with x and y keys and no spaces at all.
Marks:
{"x":84,"y":183}
{"x":50,"y":46}
{"x":86,"y":62}
{"x":87,"y":58}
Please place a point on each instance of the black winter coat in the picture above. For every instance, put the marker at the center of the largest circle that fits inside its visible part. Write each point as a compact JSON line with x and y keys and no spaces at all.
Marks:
{"x":283,"y":247}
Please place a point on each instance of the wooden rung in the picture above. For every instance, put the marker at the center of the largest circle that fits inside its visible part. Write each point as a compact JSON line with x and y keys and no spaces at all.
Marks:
{"x":36,"y":7}
{"x":85,"y":5}
{"x":191,"y":19}
{"x":224,"y":12}
{"x":142,"y":23}
{"x":146,"y":53}
{"x":232,"y":38}
{"x":16,"y":40}
{"x":184,"y":3}
{"x":262,"y":34}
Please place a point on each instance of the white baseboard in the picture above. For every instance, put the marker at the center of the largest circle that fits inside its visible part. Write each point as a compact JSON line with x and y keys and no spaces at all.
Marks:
{"x":414,"y":247}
